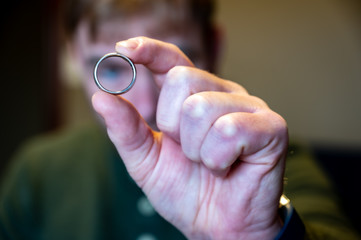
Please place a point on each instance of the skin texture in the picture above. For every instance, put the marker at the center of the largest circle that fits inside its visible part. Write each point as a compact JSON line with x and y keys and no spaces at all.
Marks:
{"x":241,"y":140}
{"x":213,"y":166}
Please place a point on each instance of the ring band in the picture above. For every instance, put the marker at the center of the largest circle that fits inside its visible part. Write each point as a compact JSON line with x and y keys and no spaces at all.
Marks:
{"x":95,"y":74}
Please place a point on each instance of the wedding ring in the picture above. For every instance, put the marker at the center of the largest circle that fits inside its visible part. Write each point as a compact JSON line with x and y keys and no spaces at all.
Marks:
{"x":116,"y":92}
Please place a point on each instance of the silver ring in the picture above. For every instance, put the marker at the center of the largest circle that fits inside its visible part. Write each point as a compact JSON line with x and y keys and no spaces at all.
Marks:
{"x":95,"y":74}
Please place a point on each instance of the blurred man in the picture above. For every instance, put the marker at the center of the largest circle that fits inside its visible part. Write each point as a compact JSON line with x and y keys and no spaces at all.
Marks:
{"x":208,"y":156}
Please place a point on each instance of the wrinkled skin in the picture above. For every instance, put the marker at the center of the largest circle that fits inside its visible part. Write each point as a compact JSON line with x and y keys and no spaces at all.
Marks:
{"x":215,"y":167}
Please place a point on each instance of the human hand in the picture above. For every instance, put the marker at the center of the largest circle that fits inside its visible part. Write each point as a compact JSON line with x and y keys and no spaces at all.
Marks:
{"x":215,"y":169}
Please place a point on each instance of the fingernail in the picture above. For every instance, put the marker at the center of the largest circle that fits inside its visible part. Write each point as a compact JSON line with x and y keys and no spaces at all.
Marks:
{"x":130,"y":44}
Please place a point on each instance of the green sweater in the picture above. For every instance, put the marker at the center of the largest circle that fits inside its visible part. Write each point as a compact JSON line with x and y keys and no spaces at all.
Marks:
{"x":73,"y":185}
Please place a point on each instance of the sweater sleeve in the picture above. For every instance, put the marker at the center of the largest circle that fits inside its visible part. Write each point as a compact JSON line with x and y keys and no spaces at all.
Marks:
{"x":17,"y":208}
{"x":312,"y":195}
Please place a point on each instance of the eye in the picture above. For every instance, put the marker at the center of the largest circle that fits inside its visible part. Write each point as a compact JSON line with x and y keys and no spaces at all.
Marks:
{"x":114,"y":74}
{"x":111,"y":72}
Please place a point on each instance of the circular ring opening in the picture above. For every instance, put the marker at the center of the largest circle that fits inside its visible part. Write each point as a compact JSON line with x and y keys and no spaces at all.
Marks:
{"x":105,"y":89}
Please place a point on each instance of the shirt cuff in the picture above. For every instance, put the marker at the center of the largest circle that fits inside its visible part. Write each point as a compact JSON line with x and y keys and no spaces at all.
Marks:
{"x":293,"y":227}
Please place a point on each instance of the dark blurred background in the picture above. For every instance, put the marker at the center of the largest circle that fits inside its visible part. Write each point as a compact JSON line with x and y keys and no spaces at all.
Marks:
{"x":30,"y":93}
{"x":303,"y":58}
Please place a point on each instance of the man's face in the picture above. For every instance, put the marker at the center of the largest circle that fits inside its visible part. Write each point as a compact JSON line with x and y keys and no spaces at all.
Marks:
{"x":144,"y":94}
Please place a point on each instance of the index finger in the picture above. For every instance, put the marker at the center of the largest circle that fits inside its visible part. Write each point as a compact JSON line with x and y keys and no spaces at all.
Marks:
{"x":159,"y":57}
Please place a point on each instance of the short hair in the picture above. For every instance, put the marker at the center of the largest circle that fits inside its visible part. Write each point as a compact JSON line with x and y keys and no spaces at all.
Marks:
{"x":97,"y":11}
{"x":182,"y":12}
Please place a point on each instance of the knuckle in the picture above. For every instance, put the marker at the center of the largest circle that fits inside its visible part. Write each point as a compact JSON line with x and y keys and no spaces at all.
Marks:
{"x":226,"y":127}
{"x":195,"y":106}
{"x":178,"y":75}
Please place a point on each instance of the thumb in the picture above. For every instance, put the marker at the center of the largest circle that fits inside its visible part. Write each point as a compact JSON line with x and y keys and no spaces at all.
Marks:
{"x":129,"y":132}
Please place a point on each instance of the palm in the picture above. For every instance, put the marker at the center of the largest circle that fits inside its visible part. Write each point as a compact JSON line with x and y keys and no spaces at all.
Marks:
{"x":188,"y":195}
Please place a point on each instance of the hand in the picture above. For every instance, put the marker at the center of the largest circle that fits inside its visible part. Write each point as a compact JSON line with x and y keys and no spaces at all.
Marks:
{"x":215,"y":169}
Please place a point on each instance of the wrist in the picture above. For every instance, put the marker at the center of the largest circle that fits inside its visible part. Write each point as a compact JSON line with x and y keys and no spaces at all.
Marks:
{"x":252,"y":232}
